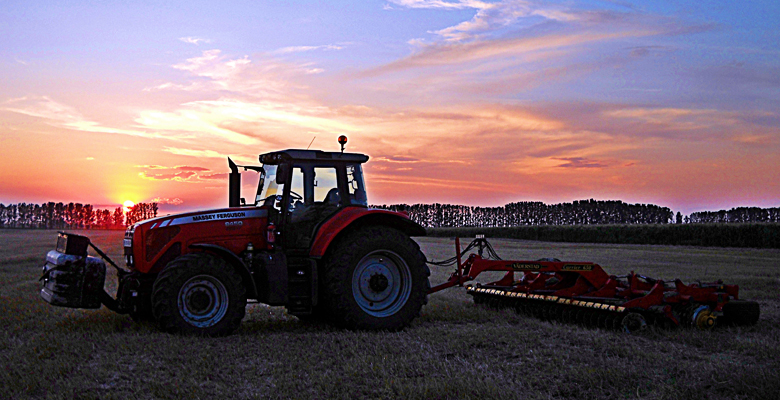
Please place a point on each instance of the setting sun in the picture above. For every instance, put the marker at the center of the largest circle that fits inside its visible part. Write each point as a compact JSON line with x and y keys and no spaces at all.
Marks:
{"x":127,"y":205}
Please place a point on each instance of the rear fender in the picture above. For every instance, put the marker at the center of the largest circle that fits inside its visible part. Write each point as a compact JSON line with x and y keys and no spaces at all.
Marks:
{"x":232,"y":259}
{"x":352,"y":218}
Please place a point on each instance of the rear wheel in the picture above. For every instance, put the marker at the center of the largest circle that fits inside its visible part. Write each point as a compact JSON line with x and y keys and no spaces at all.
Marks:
{"x":375,"y":278}
{"x":199,"y":293}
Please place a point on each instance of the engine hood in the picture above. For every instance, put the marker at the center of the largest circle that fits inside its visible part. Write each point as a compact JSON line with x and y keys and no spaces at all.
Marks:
{"x":202,"y":216}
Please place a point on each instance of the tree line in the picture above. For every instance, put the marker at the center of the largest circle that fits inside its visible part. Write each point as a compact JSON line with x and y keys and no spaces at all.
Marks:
{"x":53,"y":215}
{"x":580,"y":212}
{"x":739,"y":214}
{"x":527,"y":213}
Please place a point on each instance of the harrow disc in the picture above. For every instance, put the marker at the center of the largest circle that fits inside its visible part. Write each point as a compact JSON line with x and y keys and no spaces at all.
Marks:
{"x":608,"y":316}
{"x":552,"y":308}
{"x":633,"y":322}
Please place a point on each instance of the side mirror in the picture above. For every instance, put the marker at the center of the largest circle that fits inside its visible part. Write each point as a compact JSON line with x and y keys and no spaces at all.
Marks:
{"x":281,"y":174}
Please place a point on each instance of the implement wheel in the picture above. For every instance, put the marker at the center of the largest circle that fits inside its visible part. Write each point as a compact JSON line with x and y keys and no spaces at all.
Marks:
{"x":740,"y":312}
{"x":375,"y":278}
{"x":199,"y":293}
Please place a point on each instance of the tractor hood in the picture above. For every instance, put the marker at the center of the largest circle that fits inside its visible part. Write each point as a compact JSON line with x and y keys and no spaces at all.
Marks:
{"x":202,"y":216}
{"x":149,"y":245}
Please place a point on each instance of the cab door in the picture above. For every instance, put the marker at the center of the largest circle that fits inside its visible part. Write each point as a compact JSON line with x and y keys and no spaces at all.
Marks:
{"x":314,"y":196}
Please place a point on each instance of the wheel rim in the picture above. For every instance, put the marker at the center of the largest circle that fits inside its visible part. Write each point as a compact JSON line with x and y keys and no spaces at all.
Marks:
{"x":381,"y":283}
{"x":203,"y":301}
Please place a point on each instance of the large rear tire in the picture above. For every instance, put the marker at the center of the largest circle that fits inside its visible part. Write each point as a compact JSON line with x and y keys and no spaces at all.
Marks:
{"x":199,"y":293}
{"x":375,"y":278}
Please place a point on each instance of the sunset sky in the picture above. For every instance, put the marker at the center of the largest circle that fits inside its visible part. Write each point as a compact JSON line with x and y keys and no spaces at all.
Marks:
{"x":470,"y":102}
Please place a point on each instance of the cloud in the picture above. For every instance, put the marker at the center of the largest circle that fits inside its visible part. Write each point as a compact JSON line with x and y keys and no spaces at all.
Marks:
{"x":42,"y":107}
{"x":193,"y":86}
{"x":151,"y":166}
{"x":183,"y":176}
{"x":194,"y":153}
{"x":642,"y":51}
{"x":447,"y":5}
{"x":164,"y":200}
{"x":247,"y":123}
{"x":514,"y":45}
{"x":400,"y":159}
{"x":179,"y":173}
{"x":263,"y":77}
{"x":178,"y":167}
{"x":194,"y":40}
{"x":444,"y":54}
{"x":190,"y":168}
{"x":299,"y":49}
{"x":493,"y":17}
{"x":489,"y":17}
{"x":667,"y":120}
{"x":580,"y":162}
{"x":219,"y":176}
{"x":64,"y":116}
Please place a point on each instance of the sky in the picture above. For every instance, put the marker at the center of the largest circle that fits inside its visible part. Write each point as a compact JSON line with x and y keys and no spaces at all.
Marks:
{"x":675,"y":103}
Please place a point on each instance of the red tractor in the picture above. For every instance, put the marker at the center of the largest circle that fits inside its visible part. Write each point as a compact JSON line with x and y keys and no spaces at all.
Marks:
{"x":307,"y":241}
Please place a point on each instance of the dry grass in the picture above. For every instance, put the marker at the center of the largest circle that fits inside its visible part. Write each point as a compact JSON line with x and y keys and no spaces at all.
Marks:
{"x":454,"y":350}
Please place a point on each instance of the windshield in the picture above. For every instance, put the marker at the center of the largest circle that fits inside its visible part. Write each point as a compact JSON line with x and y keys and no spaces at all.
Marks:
{"x":267,"y":187}
{"x":356,"y":186}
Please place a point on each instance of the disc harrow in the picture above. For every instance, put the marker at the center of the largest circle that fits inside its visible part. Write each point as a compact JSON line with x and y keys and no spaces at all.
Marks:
{"x":583,"y":293}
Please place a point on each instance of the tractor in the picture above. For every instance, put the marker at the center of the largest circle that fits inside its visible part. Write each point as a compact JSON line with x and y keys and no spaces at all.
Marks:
{"x":307,"y":241}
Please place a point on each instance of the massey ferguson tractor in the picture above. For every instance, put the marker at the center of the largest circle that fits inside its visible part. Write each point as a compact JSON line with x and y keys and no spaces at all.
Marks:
{"x":309,"y":242}
{"x":306,"y":241}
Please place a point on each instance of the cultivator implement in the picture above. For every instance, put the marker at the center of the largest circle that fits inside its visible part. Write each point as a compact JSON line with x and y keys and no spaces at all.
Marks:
{"x":583,"y":293}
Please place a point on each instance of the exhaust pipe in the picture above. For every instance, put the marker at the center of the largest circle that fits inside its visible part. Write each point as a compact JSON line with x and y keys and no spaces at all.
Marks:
{"x":234,"y":185}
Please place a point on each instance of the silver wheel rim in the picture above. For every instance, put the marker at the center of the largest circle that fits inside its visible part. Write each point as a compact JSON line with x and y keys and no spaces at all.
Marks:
{"x":381,"y":283}
{"x":203,"y":301}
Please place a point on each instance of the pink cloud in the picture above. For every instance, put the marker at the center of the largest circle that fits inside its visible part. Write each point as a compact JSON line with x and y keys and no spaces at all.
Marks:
{"x":164,"y":200}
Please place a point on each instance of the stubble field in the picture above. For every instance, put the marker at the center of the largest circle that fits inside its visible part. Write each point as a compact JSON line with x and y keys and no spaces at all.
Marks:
{"x":453,"y":350}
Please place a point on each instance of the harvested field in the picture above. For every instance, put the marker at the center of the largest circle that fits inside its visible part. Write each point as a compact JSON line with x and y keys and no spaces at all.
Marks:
{"x":453,"y":350}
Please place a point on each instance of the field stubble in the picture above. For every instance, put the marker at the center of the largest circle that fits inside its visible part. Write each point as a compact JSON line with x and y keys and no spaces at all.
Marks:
{"x":453,"y":350}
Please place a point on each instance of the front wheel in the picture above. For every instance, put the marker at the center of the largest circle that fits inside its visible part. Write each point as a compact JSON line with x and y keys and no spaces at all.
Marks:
{"x":199,"y":293}
{"x":375,"y":278}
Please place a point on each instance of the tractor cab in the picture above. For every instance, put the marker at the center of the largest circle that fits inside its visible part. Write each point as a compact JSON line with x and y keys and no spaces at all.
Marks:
{"x":303,"y":188}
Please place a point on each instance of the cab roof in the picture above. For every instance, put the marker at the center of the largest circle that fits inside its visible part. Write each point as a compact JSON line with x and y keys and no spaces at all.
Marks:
{"x":277,"y":157}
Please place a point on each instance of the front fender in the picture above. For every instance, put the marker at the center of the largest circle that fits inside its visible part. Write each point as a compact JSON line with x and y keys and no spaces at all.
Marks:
{"x":233,"y":260}
{"x":354,"y":217}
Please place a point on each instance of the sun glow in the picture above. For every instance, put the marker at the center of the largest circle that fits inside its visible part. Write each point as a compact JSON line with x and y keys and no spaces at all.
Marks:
{"x":127,"y":205}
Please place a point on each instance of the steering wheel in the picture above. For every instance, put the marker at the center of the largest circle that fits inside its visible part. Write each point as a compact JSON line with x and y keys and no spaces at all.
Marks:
{"x":275,"y":200}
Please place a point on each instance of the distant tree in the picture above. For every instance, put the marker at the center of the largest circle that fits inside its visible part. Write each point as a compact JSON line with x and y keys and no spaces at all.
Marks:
{"x":49,"y":215}
{"x":59,"y":215}
{"x":118,"y":217}
{"x":88,"y":216}
{"x":78,"y":216}
{"x":140,"y":212}
{"x":679,"y":217}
